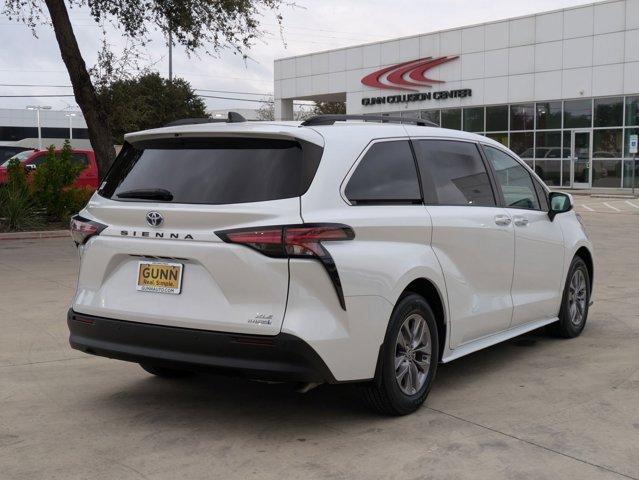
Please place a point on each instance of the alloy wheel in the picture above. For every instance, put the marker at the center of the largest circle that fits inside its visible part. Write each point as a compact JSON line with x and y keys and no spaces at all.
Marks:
{"x":577,"y":297}
{"x":413,"y":350}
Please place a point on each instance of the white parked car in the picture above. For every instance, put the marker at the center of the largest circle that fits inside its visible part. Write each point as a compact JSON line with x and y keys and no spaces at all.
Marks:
{"x":334,"y":250}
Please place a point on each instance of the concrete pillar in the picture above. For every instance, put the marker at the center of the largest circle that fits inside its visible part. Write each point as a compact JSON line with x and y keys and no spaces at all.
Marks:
{"x":284,"y":109}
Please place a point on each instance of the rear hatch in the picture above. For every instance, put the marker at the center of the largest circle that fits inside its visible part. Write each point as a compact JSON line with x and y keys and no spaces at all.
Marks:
{"x":162,"y":204}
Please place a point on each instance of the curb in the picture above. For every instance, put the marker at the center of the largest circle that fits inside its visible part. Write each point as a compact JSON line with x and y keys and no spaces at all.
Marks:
{"x":34,"y":235}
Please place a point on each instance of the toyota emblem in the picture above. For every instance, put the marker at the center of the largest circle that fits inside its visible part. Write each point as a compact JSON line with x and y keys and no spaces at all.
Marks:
{"x":154,"y":219}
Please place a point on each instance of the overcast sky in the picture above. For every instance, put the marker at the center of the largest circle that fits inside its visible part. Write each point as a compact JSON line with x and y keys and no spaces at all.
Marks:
{"x":313,"y":25}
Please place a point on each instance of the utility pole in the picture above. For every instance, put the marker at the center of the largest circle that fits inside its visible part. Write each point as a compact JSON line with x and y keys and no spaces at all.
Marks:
{"x":170,"y":56}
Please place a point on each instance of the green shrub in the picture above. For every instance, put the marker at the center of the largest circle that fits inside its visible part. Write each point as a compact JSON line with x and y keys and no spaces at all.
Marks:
{"x":76,"y":200}
{"x":52,"y":181}
{"x":17,"y":210}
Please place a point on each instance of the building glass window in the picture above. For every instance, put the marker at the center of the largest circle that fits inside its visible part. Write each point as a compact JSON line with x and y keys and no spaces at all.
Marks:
{"x":474,"y":119}
{"x":577,"y":113}
{"x":522,"y":144}
{"x":609,"y":112}
{"x":548,"y":145}
{"x":627,"y":173}
{"x":632,"y":111}
{"x":626,"y":148}
{"x":431,"y":115}
{"x":606,"y":173}
{"x":567,"y":152}
{"x":549,"y":171}
{"x":606,"y":143}
{"x":548,"y":115}
{"x":501,"y":137}
{"x":497,"y":118}
{"x":451,"y":118}
{"x":522,"y":117}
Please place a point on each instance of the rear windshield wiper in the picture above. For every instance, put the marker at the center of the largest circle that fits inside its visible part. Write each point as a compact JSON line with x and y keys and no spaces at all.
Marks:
{"x":147,"y":194}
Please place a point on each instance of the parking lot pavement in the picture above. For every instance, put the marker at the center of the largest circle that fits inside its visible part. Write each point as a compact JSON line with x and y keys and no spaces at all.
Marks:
{"x":532,"y":408}
{"x":606,"y":205}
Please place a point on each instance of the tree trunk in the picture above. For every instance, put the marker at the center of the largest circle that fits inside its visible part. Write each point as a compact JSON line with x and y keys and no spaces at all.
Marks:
{"x":85,"y":94}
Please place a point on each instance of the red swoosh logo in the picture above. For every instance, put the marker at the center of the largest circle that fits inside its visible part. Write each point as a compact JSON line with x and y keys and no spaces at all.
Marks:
{"x":415,"y":70}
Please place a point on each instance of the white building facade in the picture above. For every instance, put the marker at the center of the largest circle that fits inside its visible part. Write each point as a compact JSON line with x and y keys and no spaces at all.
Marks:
{"x":560,"y":88}
{"x":18,"y":124}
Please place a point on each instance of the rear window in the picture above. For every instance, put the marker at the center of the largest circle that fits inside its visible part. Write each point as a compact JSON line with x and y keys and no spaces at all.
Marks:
{"x":214,"y":171}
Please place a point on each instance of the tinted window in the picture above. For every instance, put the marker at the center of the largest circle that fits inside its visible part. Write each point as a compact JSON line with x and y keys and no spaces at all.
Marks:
{"x":215,"y":171}
{"x":82,"y":158}
{"x":453,"y":173}
{"x":516,"y":183}
{"x":386,"y":173}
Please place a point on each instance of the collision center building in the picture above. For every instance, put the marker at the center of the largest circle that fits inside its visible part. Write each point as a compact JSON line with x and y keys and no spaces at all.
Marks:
{"x":560,"y":88}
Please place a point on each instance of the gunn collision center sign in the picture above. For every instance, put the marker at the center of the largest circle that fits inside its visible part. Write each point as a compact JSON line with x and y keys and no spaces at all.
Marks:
{"x":411,"y":77}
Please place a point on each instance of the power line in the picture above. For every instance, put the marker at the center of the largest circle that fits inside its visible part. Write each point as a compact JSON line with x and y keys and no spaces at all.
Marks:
{"x":266,"y":94}
{"x":34,"y":96}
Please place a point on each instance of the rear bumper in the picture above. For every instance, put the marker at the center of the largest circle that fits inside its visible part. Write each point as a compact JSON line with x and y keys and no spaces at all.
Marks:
{"x":282,"y":357}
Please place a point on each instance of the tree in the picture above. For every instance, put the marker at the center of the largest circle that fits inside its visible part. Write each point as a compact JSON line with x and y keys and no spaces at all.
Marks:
{"x":196,"y":25}
{"x":266,"y":111}
{"x":329,"y":108}
{"x":146,"y":102}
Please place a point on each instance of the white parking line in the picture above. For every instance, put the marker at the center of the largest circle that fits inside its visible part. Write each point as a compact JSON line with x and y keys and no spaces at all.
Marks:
{"x":632,"y":204}
{"x":610,"y":206}
{"x":588,"y":208}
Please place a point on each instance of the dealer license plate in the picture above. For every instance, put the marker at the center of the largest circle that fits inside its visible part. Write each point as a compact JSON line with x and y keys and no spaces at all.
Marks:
{"x":160,"y":277}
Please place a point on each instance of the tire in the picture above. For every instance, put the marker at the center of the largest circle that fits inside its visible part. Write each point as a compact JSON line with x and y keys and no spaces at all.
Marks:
{"x":574,"y":302}
{"x":391,"y":393}
{"x":164,"y":372}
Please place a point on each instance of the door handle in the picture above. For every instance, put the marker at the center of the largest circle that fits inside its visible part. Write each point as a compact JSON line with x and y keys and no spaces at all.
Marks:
{"x":502,"y":220}
{"x":521,"y":221}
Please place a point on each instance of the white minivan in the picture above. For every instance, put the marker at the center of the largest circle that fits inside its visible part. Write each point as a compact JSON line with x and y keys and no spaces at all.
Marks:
{"x":333,"y":250}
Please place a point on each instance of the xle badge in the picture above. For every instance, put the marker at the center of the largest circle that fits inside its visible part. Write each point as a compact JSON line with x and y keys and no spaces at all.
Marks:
{"x":261,"y":319}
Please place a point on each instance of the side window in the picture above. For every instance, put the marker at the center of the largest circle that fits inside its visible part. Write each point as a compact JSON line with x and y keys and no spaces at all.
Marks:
{"x":386,"y":174}
{"x":542,"y":195}
{"x":81,"y":158}
{"x":39,"y":160}
{"x":516,"y":183}
{"x":453,"y":173}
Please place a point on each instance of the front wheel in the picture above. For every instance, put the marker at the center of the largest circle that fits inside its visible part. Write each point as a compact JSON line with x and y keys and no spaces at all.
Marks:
{"x":575,"y":301}
{"x":409,"y":359}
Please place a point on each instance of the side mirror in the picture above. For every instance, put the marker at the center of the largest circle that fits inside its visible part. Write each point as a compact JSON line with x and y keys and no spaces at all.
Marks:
{"x":30,"y":167}
{"x":559,"y":203}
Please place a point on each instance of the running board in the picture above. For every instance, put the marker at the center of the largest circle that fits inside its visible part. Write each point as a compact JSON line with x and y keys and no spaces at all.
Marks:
{"x":491,"y":340}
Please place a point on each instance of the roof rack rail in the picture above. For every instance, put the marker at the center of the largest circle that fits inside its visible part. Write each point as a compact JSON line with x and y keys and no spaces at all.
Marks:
{"x":233,"y":117}
{"x":331,"y":119}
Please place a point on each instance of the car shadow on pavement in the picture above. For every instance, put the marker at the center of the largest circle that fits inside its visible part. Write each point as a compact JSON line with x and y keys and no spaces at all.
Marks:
{"x":209,"y":399}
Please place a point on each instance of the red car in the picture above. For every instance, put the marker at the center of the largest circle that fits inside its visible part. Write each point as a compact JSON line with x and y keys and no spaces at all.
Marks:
{"x":31,"y":159}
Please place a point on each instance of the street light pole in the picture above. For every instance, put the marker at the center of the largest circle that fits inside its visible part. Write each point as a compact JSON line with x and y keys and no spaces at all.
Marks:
{"x":37,"y":108}
{"x":70,"y":115}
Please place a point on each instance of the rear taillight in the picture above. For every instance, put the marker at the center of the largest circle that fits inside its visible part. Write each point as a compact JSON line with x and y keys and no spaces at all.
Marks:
{"x":82,"y":229}
{"x":295,"y":241}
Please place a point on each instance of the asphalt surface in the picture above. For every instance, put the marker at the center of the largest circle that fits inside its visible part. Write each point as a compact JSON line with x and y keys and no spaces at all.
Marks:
{"x":535,"y":407}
